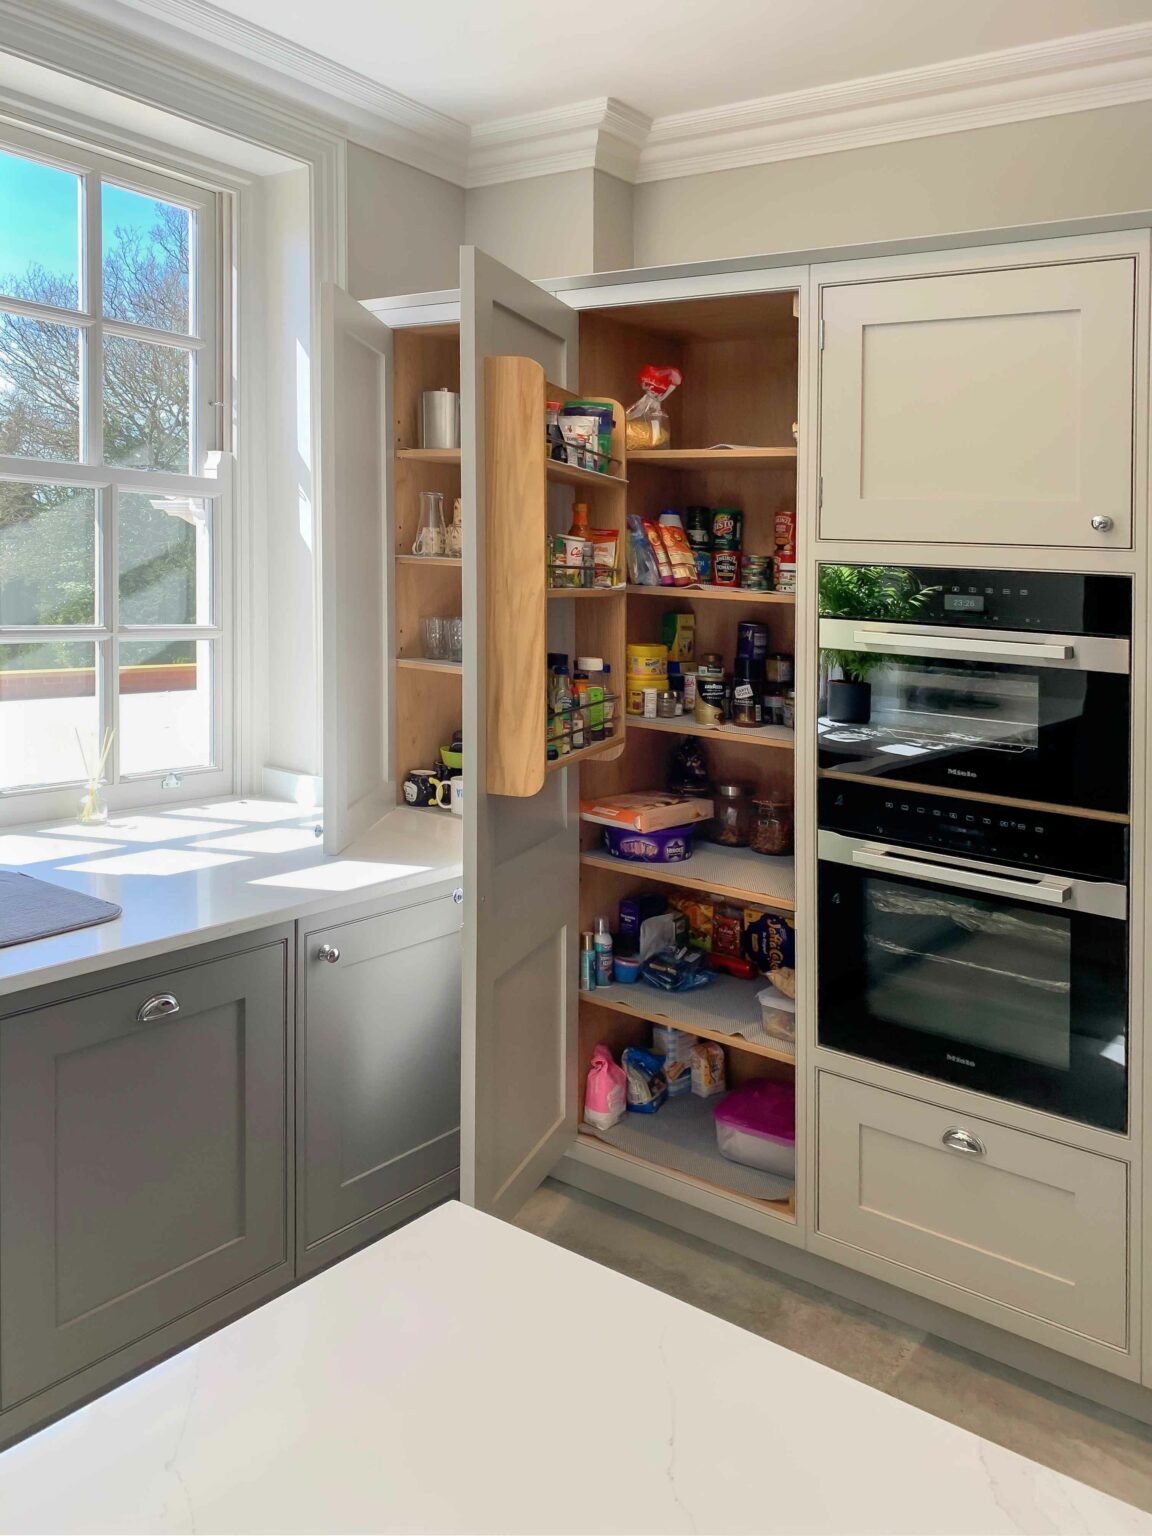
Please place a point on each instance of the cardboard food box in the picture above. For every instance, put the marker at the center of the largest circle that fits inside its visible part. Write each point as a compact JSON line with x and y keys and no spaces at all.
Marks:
{"x":649,"y":810}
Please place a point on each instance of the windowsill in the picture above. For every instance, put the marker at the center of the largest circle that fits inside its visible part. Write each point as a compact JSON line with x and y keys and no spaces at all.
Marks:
{"x":209,"y":871}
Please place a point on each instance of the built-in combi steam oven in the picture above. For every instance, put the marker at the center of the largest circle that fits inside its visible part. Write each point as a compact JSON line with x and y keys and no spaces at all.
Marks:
{"x":974,"y":748}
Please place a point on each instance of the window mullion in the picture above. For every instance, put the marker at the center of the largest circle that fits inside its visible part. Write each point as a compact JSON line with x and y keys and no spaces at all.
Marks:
{"x":110,"y":617}
{"x":93,"y":387}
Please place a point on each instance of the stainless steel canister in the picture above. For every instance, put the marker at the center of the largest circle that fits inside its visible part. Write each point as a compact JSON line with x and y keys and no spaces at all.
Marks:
{"x":440,"y":419}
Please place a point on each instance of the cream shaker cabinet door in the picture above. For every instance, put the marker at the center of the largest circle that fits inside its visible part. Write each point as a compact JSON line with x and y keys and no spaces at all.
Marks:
{"x":1022,"y":1221}
{"x":981,"y":407}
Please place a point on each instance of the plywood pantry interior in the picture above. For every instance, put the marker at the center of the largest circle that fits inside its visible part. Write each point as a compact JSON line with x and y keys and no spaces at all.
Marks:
{"x":738,"y":357}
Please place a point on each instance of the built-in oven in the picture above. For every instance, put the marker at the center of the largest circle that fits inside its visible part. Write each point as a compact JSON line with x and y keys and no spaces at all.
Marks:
{"x":977,"y":944}
{"x":1013,"y":684}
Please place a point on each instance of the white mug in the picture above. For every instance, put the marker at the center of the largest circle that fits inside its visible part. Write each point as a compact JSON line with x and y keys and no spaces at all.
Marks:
{"x":456,"y":796}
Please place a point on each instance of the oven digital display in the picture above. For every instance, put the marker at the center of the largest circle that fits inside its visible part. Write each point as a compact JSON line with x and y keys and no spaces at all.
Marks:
{"x":963,"y":602}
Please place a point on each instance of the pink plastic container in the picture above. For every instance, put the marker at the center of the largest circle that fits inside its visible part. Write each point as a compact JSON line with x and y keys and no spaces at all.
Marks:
{"x":756,"y":1125}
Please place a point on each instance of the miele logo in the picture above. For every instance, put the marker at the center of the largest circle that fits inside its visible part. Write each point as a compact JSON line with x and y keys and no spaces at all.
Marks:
{"x":961,"y":773}
{"x":961,"y":1061}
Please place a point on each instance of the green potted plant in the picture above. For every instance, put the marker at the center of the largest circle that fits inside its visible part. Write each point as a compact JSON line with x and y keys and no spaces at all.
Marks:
{"x":878,"y":593}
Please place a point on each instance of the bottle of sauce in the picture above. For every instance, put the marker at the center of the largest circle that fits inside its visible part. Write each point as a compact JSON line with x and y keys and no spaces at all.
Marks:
{"x":579,"y":528}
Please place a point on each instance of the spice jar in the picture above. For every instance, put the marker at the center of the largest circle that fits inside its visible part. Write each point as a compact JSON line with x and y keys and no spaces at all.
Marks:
{"x":666,"y":703}
{"x":732,"y":812}
{"x":771,"y":831}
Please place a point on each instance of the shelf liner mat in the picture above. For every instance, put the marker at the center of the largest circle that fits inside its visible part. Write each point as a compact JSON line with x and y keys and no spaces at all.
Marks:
{"x":681,"y":1136}
{"x":700,"y":1008}
{"x":34,"y":909}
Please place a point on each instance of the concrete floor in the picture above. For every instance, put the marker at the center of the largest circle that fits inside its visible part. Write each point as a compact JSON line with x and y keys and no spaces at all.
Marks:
{"x":1106,"y":1450}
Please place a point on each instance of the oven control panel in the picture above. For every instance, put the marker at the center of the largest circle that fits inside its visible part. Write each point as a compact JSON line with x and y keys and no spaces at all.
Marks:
{"x":977,"y":829}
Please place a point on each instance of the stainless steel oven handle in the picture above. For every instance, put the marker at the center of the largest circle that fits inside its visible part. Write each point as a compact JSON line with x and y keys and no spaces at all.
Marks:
{"x":946,"y":646}
{"x":1055,"y":892}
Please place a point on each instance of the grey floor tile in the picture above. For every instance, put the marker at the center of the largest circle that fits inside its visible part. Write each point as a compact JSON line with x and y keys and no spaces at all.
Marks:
{"x":1106,"y":1450}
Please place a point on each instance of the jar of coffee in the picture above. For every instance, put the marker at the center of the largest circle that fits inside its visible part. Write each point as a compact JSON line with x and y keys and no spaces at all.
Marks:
{"x":771,"y":831}
{"x":732,"y":811}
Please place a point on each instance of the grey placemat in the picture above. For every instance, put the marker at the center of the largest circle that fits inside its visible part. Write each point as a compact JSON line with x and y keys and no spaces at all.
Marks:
{"x":681,"y":1135}
{"x":34,"y":909}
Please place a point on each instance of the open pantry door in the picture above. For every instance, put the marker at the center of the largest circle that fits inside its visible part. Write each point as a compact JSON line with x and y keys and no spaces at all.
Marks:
{"x":355,"y":486}
{"x":521,"y":854}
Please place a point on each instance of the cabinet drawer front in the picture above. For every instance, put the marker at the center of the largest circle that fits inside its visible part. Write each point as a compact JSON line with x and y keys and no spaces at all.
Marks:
{"x":981,"y":407}
{"x":1017,"y":1219}
{"x":143,"y":1163}
{"x":380,"y":1074}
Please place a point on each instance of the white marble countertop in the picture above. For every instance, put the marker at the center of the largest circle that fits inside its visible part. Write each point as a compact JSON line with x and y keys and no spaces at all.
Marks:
{"x":462,"y":1375}
{"x":200,"y":872}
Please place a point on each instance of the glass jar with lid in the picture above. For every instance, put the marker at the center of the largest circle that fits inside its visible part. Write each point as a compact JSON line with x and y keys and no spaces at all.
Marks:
{"x":771,"y":831}
{"x":732,"y":815}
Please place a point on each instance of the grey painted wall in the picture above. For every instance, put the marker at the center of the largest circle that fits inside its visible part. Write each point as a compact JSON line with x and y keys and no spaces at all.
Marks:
{"x":1054,"y":168}
{"x":405,"y":228}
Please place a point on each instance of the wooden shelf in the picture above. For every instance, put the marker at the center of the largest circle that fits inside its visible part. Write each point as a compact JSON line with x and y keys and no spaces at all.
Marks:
{"x":735,"y":872}
{"x":422,"y":664}
{"x":778,"y":736}
{"x":569,"y":474}
{"x":595,"y":750}
{"x":783,"y":1210}
{"x":430,"y":455}
{"x":707,"y":458}
{"x":433,"y":562}
{"x":586,"y":592}
{"x":714,"y":594}
{"x":710,"y":1012}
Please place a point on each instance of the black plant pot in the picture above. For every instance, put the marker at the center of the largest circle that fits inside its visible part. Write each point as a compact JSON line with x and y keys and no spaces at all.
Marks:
{"x":849,"y":703}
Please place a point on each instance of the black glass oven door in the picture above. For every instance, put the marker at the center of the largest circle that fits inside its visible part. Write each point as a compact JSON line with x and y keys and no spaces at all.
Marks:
{"x":1038,"y":731}
{"x":1020,"y":999}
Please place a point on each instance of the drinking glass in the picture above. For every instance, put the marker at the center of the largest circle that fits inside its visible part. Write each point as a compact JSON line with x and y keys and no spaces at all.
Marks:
{"x":435,"y":639}
{"x":455,"y":639}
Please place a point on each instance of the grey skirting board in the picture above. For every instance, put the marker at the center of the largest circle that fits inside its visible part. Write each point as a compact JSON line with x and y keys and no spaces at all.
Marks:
{"x":681,"y":1136}
{"x":35,"y":909}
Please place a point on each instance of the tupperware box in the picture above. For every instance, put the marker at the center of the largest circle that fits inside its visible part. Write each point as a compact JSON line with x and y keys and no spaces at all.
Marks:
{"x":756,"y":1125}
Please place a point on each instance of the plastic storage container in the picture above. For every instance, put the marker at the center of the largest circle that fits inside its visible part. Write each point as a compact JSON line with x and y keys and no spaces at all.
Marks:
{"x":756,"y":1125}
{"x":777,"y":1014}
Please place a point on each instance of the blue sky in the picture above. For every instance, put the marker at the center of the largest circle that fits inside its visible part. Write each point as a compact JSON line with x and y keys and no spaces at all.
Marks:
{"x":39,"y":215}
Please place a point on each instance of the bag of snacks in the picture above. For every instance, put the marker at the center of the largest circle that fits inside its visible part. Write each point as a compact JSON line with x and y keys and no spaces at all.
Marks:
{"x":647,"y":1085}
{"x":646,"y":422}
{"x":606,"y":1092}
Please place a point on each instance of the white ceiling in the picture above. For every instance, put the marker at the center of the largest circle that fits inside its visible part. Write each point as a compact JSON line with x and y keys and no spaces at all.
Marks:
{"x":479,"y":61}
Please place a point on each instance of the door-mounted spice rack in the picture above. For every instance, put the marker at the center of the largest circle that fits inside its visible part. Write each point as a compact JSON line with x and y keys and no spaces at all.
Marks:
{"x":527,"y":501}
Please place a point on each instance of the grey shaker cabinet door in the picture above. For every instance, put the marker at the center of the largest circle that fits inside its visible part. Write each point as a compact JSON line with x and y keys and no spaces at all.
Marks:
{"x":379,"y":1074}
{"x":143,"y":1165}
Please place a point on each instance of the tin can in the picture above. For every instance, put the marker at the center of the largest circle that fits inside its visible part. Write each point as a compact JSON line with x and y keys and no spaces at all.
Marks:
{"x":698,"y":526}
{"x":756,"y":573}
{"x":710,"y":699}
{"x":785,"y":535}
{"x":725,"y":568}
{"x":727,"y":528}
{"x":703,"y":565}
{"x":752,"y":640}
{"x":785,"y":576}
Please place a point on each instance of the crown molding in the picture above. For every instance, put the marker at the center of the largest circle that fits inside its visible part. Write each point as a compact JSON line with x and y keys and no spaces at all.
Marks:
{"x":603,"y":134}
{"x":366,"y":111}
{"x":1072,"y":74}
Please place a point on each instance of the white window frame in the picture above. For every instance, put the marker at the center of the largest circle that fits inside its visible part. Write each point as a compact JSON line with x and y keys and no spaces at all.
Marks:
{"x":211,"y":427}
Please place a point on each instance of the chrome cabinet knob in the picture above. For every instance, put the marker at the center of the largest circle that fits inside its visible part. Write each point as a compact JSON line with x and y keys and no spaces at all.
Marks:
{"x":959,"y":1140}
{"x":458,"y":895}
{"x":328,"y":952}
{"x":1102,"y":524}
{"x":162,"y":1006}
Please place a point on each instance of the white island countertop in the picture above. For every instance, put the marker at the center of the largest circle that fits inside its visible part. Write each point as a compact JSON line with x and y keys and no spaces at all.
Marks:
{"x":462,"y":1375}
{"x":201,"y":872}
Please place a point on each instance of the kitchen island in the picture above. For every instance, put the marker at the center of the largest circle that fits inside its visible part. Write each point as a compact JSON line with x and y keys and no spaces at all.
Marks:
{"x":462,"y":1375}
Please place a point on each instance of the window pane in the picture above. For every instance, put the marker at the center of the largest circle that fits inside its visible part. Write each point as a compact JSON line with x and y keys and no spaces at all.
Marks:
{"x":39,"y":388}
{"x":165,"y":560}
{"x":147,"y":391}
{"x":39,"y":232}
{"x":47,"y":554}
{"x":146,"y":260}
{"x":47,"y":694}
{"x":165,"y":705}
